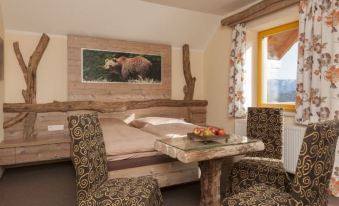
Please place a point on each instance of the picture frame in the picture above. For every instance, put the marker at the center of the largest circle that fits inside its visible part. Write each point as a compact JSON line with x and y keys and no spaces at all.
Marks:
{"x":103,"y":66}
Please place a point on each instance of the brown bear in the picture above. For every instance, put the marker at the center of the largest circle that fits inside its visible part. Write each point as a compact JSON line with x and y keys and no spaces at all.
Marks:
{"x":129,"y":68}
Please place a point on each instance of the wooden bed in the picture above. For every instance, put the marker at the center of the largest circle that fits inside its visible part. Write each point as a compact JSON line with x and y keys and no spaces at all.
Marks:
{"x":55,"y":145}
{"x":28,"y":137}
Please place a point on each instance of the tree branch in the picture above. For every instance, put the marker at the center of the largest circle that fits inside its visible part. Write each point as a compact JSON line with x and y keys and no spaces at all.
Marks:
{"x":190,"y":81}
{"x":29,"y":93}
{"x":20,"y":59}
{"x":15,"y":120}
{"x":103,"y":107}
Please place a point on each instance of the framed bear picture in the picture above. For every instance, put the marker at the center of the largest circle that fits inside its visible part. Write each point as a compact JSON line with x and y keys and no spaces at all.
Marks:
{"x":102,"y":69}
{"x":100,"y":66}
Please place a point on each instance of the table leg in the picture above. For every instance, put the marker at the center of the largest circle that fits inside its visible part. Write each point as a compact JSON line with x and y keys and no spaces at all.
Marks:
{"x":210,"y":182}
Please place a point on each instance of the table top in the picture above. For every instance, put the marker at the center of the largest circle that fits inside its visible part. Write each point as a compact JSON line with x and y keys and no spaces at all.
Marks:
{"x":187,"y":150}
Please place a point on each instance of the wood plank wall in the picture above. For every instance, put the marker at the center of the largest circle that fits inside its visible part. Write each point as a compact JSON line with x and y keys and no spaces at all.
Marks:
{"x":77,"y":90}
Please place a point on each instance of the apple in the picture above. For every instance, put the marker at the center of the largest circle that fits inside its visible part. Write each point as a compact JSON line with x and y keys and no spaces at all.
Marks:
{"x":208,"y":133}
{"x":201,"y":134}
{"x":214,"y":130}
{"x":217,"y":131}
{"x":221,"y":132}
{"x":196,"y":131}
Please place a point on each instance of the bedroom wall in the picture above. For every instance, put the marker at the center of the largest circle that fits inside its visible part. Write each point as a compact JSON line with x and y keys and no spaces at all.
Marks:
{"x":52,"y":70}
{"x":2,"y":34}
{"x":216,"y":69}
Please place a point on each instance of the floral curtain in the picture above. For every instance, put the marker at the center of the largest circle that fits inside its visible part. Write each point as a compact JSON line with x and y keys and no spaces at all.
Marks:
{"x":236,"y":98}
{"x":317,"y":96}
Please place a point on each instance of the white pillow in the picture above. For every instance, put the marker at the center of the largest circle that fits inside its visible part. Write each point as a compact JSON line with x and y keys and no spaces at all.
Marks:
{"x":142,"y":122}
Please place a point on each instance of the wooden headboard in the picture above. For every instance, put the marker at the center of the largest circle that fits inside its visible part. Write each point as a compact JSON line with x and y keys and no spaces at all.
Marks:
{"x":55,"y":145}
{"x":79,"y":90}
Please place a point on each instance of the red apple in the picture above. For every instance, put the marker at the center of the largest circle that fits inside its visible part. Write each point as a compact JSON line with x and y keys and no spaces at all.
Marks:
{"x":221,"y":132}
{"x":215,"y":130}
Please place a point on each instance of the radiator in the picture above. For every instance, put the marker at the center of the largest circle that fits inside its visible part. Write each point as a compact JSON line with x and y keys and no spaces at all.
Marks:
{"x":292,"y":140}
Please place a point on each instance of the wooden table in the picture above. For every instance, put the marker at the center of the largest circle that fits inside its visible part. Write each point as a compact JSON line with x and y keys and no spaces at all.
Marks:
{"x":210,"y":157}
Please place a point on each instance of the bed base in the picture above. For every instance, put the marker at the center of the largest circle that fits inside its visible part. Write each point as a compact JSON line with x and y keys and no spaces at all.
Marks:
{"x":167,"y":174}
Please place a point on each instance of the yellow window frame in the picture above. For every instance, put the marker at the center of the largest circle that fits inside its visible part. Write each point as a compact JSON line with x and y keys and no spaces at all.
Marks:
{"x":261,"y":36}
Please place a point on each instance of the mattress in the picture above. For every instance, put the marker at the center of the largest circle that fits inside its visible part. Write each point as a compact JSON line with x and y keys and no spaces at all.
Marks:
{"x":129,"y":147}
{"x":123,"y":141}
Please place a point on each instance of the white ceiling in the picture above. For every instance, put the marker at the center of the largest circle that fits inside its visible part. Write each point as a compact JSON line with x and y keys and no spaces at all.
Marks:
{"x":217,"y":7}
{"x":133,"y":20}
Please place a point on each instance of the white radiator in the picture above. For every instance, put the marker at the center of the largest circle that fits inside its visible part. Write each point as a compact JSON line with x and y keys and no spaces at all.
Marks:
{"x":292,"y":140}
{"x":241,"y":127}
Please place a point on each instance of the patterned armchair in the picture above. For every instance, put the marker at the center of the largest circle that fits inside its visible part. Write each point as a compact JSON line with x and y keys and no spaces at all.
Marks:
{"x":264,"y":166}
{"x":89,"y":160}
{"x":312,"y":177}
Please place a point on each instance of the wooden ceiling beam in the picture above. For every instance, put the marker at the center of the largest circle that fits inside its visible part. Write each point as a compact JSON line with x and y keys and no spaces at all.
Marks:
{"x":258,"y":10}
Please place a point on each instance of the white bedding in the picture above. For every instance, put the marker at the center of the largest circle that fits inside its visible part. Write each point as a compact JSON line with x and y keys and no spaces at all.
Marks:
{"x":164,"y":127}
{"x":121,"y":139}
{"x":126,"y":142}
{"x":169,"y":130}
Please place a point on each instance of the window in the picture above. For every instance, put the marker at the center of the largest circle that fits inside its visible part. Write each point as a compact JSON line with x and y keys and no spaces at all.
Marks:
{"x":277,"y":66}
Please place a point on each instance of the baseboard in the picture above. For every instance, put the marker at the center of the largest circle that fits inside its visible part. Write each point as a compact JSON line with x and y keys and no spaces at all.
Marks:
{"x":2,"y":171}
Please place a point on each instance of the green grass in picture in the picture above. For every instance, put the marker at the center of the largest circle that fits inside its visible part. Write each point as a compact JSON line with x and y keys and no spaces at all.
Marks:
{"x":109,"y":66}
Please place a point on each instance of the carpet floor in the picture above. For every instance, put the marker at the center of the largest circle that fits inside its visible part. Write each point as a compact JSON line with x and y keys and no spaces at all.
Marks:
{"x":54,"y":185}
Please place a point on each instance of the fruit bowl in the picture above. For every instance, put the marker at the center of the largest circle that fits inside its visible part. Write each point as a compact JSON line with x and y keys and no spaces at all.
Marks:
{"x":206,"y":138}
{"x":207,"y":134}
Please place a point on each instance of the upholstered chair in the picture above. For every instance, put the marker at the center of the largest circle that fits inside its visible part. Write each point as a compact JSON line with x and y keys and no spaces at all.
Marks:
{"x":265,"y":166}
{"x":89,"y":160}
{"x":312,"y":176}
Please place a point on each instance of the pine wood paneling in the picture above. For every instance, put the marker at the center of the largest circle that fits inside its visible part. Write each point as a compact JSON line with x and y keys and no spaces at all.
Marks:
{"x":7,"y":156}
{"x":167,"y":174}
{"x":115,"y":91}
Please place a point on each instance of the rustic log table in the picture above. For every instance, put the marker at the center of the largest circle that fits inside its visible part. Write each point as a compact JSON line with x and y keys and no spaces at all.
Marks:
{"x":210,"y":156}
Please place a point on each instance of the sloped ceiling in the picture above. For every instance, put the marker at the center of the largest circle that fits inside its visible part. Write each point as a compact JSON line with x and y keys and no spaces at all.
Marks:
{"x":120,"y":19}
{"x":218,"y":7}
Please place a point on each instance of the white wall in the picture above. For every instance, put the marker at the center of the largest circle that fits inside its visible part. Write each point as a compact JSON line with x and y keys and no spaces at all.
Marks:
{"x":2,"y":34}
{"x":216,"y":73}
{"x":132,"y":20}
{"x":51,"y":73}
{"x":216,"y":66}
{"x":197,"y":69}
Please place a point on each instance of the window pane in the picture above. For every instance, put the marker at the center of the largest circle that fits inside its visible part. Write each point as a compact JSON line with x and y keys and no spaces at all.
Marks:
{"x":280,"y":53}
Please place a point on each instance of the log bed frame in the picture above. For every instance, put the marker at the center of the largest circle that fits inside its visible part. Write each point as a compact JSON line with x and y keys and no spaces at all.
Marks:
{"x":29,"y":140}
{"x":55,"y":145}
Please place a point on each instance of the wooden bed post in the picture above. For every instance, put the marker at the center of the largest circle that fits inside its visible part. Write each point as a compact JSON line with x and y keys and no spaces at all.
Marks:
{"x":190,"y":81}
{"x":29,"y":71}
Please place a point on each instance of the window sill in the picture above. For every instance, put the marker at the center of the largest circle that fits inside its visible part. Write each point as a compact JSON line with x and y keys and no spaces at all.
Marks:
{"x":289,"y":114}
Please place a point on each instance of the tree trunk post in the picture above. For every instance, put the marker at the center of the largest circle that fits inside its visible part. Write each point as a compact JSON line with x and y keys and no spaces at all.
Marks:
{"x":29,"y":93}
{"x":190,"y":81}
{"x":210,"y":182}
